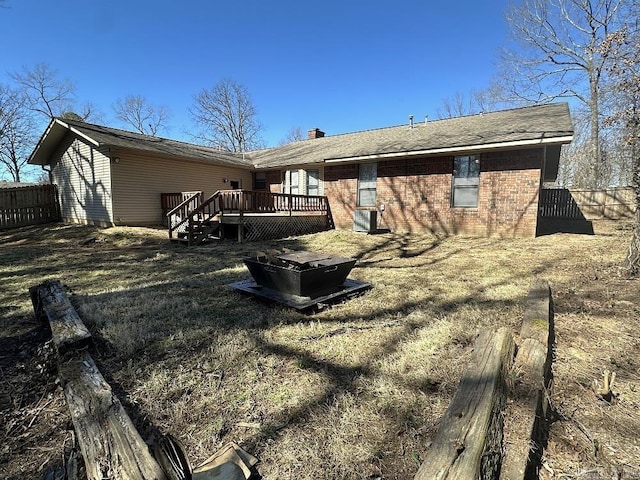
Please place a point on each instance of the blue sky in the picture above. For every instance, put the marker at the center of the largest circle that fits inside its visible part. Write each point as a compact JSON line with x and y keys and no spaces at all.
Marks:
{"x":340,"y":66}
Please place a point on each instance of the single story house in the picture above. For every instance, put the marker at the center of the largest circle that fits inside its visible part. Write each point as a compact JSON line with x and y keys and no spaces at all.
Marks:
{"x":477,"y":174}
{"x":107,"y":176}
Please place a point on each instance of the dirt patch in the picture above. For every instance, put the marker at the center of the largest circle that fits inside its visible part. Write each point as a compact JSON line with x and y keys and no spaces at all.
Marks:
{"x":35,"y":421}
{"x":355,"y":391}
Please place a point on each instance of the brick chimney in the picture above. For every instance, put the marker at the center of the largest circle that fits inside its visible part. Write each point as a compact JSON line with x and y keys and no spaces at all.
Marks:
{"x":315,"y":133}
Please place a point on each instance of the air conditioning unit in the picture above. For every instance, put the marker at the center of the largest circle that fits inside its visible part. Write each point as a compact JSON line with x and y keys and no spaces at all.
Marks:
{"x":365,"y":221}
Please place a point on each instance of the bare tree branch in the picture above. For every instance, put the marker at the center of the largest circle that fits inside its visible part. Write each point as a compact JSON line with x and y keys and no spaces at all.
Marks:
{"x":47,"y":94}
{"x":458,"y":105}
{"x":624,"y":45}
{"x":137,"y":112}
{"x":557,"y":54}
{"x":16,"y":132}
{"x":294,"y":135}
{"x":227,"y":117}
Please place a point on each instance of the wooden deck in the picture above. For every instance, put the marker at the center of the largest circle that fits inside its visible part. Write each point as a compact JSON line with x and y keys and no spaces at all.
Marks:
{"x":244,"y":214}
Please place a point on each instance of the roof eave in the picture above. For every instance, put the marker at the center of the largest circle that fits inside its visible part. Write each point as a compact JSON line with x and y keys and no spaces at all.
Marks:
{"x":33,"y":160}
{"x":55,"y":132}
{"x":462,"y":149}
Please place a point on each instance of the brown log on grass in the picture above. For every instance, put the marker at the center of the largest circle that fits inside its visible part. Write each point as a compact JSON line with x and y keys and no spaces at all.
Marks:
{"x":110,"y":444}
{"x":529,"y":402}
{"x":50,"y":303}
{"x":468,"y":443}
{"x":538,"y":314}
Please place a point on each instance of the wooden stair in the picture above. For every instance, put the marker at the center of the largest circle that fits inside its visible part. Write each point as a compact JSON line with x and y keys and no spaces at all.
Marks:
{"x":196,"y":220}
{"x":201,"y":232}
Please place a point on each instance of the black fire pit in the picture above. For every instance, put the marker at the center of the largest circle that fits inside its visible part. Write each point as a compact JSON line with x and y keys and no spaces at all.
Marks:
{"x":300,"y":279}
{"x":305,"y":274}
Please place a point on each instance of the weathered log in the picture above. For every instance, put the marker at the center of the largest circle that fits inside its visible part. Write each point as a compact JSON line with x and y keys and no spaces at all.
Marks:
{"x":538,"y":313}
{"x":110,"y":444}
{"x":51,"y":304}
{"x":529,"y":397}
{"x":469,"y":440}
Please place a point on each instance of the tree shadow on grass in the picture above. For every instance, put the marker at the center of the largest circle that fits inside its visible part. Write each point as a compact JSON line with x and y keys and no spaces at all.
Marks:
{"x":176,"y":274}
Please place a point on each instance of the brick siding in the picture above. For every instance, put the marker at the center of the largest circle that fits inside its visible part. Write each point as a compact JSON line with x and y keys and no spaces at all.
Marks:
{"x":416,"y":194}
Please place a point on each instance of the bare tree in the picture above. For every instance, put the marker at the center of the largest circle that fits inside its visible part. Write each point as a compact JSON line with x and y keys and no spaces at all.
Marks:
{"x":16,"y":132}
{"x":293,"y":135}
{"x":558,"y":54}
{"x":227,"y":117}
{"x":137,"y":112}
{"x":47,"y":94}
{"x":625,"y":82}
{"x":458,"y":105}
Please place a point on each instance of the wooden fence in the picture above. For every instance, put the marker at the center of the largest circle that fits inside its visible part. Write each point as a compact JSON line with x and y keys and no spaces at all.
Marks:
{"x":32,"y":205}
{"x":562,"y":203}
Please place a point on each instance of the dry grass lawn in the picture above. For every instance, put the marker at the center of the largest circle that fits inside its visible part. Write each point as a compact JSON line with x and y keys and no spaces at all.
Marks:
{"x":354,"y":391}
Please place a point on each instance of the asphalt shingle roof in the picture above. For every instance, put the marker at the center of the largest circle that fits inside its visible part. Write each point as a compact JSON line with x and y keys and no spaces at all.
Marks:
{"x":114,"y":137}
{"x":525,"y":124}
{"x":545,"y":123}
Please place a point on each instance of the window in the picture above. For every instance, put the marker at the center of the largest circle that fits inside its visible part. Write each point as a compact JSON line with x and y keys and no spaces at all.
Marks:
{"x":367,"y":175}
{"x":292,"y":181}
{"x":294,"y":186}
{"x":313,"y":182}
{"x":260,"y":182}
{"x":466,"y":180}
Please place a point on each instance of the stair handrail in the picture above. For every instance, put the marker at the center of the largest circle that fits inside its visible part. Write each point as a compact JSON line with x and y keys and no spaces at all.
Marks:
{"x":245,"y":201}
{"x":184,"y":202}
{"x":200,"y":208}
{"x":176,"y":209}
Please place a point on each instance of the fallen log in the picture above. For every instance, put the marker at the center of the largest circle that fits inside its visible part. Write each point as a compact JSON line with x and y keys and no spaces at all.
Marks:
{"x":529,"y":402}
{"x":50,"y":303}
{"x":468,"y":443}
{"x":110,"y":444}
{"x":538,"y":314}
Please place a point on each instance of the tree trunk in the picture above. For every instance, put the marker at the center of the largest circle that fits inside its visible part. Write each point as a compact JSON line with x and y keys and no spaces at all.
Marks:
{"x":633,"y":255}
{"x":595,"y":129}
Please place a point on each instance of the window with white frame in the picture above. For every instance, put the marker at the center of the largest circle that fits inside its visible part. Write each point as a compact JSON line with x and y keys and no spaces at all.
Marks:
{"x":292,"y":181}
{"x":367,"y":177}
{"x":313,"y":182}
{"x":466,"y":181}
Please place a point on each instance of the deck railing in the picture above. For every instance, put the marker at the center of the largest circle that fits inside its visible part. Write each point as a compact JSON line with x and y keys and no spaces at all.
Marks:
{"x":169,"y":201}
{"x":193,"y":210}
{"x":247,"y":201}
{"x":179,"y":217}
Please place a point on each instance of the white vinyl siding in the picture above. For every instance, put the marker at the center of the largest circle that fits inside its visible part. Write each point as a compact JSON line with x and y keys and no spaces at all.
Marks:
{"x":82,"y":174}
{"x":138,"y":181}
